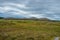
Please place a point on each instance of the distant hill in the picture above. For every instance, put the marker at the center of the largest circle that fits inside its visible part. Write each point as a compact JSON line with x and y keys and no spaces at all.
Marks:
{"x":1,"y":17}
{"x":31,"y":18}
{"x":46,"y":19}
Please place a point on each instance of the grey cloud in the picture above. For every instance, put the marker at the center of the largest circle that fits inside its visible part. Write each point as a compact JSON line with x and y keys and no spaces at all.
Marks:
{"x":44,"y":8}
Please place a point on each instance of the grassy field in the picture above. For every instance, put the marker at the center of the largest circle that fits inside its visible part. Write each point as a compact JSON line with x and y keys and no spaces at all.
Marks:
{"x":28,"y":30}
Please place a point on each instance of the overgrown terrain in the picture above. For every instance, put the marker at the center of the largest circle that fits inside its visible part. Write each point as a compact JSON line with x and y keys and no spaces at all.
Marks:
{"x":29,"y":30}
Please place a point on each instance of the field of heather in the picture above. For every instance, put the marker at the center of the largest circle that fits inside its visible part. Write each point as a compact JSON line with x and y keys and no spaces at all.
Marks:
{"x":29,"y":30}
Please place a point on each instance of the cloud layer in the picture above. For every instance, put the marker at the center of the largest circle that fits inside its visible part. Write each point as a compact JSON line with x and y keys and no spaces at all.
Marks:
{"x":30,"y":8}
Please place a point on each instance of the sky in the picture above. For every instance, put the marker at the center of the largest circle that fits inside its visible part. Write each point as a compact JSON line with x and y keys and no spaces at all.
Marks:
{"x":30,"y":8}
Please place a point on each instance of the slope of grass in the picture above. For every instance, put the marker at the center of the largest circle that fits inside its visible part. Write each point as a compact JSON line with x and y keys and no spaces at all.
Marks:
{"x":28,"y":30}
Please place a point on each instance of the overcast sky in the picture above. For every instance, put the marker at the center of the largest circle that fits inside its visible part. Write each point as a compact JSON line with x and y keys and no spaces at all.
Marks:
{"x":30,"y":8}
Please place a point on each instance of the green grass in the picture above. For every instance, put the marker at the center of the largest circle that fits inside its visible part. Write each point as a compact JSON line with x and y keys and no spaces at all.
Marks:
{"x":28,"y":30}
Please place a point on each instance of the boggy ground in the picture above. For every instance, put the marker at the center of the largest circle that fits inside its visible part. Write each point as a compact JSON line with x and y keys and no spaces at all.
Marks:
{"x":29,"y":30}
